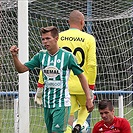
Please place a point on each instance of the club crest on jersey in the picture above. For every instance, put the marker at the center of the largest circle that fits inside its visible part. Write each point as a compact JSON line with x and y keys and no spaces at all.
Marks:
{"x":51,"y":71}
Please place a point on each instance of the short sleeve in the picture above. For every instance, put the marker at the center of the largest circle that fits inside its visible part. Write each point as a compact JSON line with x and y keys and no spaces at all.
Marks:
{"x":34,"y":62}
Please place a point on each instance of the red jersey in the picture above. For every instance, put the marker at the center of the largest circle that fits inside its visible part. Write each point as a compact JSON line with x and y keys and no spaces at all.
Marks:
{"x":119,"y":125}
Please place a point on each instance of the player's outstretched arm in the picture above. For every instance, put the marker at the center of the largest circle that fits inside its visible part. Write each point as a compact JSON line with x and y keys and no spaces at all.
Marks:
{"x":18,"y":65}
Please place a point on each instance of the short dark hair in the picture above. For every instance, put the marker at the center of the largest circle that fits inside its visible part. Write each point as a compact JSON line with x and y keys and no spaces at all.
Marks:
{"x":104,"y":104}
{"x":52,"y":29}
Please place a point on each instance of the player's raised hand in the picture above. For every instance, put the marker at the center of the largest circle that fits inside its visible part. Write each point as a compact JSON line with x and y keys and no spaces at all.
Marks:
{"x":14,"y":50}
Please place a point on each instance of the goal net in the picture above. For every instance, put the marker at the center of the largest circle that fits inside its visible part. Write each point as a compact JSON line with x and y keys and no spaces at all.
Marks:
{"x":111,"y":22}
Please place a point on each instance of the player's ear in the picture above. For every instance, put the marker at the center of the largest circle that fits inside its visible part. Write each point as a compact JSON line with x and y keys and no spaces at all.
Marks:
{"x":82,"y":22}
{"x":68,"y":21}
{"x":57,"y":37}
{"x":113,"y":111}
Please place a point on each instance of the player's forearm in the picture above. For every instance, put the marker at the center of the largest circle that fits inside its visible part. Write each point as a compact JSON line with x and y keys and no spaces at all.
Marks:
{"x":84,"y":85}
{"x":18,"y":65}
{"x":89,"y":104}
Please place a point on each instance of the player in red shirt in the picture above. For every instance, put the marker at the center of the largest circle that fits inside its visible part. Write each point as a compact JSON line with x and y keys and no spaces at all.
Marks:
{"x":110,"y":123}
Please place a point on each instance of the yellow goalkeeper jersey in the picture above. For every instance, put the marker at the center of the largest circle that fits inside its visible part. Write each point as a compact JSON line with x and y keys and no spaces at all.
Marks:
{"x":83,"y":46}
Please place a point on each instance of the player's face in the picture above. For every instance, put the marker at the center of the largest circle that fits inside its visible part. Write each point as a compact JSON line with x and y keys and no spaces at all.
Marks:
{"x":107,"y":115}
{"x":49,"y":41}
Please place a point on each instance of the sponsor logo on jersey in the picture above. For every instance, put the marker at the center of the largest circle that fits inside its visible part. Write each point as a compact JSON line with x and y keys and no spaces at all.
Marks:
{"x":54,"y":84}
{"x":100,"y":129}
{"x":57,"y":126}
{"x":51,"y":71}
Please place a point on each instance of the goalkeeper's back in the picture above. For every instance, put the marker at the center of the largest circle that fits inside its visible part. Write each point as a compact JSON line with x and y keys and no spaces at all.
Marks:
{"x":83,"y":46}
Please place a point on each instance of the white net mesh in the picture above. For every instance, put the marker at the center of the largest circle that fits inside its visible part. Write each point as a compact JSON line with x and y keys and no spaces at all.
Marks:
{"x":111,"y":22}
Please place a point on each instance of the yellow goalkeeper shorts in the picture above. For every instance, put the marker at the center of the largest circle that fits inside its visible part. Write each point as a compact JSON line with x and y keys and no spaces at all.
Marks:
{"x":76,"y":102}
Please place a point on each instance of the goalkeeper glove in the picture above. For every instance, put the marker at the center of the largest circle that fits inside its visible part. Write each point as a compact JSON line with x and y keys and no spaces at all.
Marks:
{"x":92,"y":87}
{"x":92,"y":94}
{"x":38,"y":96}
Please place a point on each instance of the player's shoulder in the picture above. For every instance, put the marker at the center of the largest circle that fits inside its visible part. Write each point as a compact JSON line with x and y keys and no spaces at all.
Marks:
{"x":122,"y":122}
{"x":63,"y":32}
{"x":121,"y":119}
{"x":87,"y":34}
{"x":84,"y":34}
{"x":77,"y":33}
{"x":99,"y":123}
{"x":43,"y":51}
{"x":65,"y":51}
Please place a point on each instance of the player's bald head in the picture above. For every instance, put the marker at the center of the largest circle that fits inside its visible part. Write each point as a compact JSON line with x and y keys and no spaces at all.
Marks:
{"x":75,"y":16}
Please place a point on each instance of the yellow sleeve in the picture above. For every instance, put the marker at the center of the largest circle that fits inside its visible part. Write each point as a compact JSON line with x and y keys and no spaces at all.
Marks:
{"x":92,"y":63}
{"x":40,"y":83}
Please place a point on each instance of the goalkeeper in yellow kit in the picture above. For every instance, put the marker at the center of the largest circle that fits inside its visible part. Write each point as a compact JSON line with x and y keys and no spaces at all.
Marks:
{"x":83,"y":46}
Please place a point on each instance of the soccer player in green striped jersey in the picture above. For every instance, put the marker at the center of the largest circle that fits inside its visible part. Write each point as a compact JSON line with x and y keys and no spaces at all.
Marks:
{"x":83,"y":46}
{"x":55,"y":64}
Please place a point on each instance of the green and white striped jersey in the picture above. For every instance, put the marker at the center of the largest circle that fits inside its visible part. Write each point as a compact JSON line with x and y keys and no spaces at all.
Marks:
{"x":56,"y":69}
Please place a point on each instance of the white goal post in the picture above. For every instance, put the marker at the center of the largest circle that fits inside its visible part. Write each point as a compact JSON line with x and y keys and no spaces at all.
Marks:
{"x":111,"y":22}
{"x":23,"y":55}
